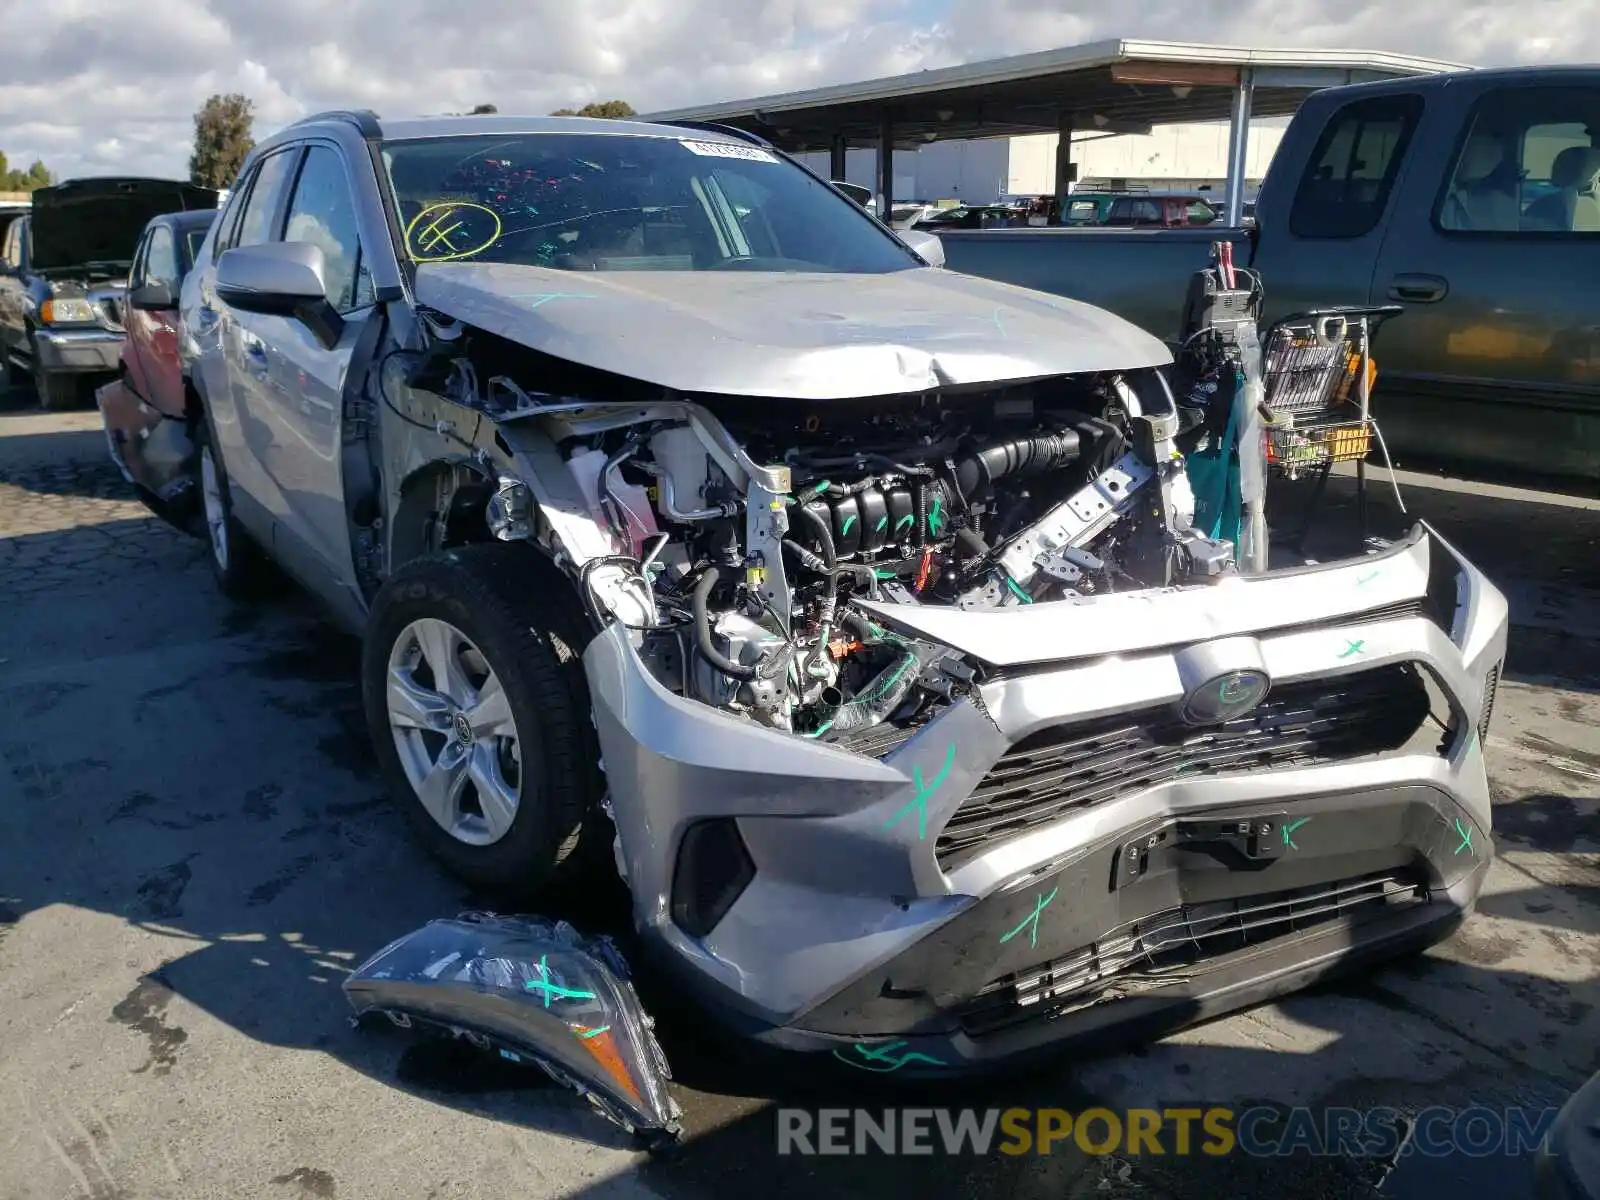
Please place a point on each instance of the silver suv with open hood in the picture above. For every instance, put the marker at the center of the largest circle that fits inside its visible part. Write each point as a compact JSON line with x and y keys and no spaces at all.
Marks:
{"x":851,"y":608}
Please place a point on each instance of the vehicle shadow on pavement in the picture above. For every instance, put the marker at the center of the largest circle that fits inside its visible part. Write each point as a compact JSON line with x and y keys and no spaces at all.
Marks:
{"x":257,"y":848}
{"x":57,"y":462}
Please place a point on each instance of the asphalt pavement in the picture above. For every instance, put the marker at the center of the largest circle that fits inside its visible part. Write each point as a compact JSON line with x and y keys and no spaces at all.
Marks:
{"x":194,"y":850}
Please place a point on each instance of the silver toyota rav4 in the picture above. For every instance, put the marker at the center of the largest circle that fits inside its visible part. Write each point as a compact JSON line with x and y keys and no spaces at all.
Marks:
{"x":851,"y":606}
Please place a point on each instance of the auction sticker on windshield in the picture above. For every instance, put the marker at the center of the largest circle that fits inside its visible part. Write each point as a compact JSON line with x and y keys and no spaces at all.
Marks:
{"x":729,"y":150}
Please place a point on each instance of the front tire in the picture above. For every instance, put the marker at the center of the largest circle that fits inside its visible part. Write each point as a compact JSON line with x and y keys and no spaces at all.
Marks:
{"x":56,"y":393}
{"x":478,"y":711}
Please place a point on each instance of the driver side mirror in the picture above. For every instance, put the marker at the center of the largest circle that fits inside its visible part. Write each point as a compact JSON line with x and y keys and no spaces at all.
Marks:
{"x":280,"y":279}
{"x":156,"y":295}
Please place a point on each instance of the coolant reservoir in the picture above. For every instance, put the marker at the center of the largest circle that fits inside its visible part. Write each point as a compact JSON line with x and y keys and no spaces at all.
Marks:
{"x":633,"y":501}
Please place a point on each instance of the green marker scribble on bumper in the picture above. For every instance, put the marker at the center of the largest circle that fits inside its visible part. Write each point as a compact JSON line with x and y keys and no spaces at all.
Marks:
{"x":1288,"y":831}
{"x":881,"y":1059}
{"x":1031,"y":924}
{"x":553,"y":991}
{"x":919,"y":802}
{"x":1464,"y":832}
{"x":1358,"y":647}
{"x":1367,"y":578}
{"x":586,"y":1034}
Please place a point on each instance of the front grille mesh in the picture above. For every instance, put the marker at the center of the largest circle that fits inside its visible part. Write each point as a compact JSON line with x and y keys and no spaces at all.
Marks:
{"x":1070,"y":767}
{"x":1166,"y":947}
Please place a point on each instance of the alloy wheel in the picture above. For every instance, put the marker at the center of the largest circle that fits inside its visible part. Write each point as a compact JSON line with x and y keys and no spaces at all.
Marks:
{"x":454,"y":731}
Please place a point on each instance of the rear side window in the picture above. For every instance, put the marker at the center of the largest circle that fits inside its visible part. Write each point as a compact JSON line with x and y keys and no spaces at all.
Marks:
{"x":1528,"y":163}
{"x":1346,"y":185}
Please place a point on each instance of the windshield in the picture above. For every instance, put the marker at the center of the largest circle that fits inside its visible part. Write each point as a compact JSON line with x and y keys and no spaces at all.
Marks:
{"x":610,"y":202}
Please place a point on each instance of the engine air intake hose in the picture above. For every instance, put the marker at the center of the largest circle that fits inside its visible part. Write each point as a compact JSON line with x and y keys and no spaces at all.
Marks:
{"x":1020,"y":456}
{"x":879,"y":698}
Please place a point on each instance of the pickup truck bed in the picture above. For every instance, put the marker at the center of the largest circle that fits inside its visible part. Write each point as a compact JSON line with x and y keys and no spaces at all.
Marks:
{"x":1139,"y":274}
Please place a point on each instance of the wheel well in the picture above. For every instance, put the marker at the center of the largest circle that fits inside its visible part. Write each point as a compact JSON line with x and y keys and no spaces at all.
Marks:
{"x":441,"y":505}
{"x":193,"y":405}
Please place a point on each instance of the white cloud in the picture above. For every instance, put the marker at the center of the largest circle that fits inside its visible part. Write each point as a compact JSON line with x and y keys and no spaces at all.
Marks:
{"x":94,"y":86}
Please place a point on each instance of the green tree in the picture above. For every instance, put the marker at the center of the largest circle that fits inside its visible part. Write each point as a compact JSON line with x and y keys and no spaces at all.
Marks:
{"x":222,"y":139}
{"x":36,"y":176}
{"x":479,"y":110}
{"x":612,"y":109}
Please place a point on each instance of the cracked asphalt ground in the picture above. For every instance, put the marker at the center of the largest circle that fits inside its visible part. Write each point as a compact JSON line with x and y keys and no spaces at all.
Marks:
{"x":194,"y":850}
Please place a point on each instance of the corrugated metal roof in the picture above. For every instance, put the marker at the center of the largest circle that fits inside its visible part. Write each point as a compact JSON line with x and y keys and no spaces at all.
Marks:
{"x":1116,"y":85}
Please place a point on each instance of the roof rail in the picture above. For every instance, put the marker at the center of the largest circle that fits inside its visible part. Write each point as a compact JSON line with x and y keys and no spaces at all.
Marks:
{"x":363,"y":119}
{"x":744,"y":135}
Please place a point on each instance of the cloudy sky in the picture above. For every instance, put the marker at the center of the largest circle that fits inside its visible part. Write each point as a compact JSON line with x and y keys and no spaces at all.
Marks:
{"x":98,"y":86}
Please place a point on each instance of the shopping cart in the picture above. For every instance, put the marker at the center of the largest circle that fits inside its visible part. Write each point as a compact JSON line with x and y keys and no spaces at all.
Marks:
{"x":1318,"y":372}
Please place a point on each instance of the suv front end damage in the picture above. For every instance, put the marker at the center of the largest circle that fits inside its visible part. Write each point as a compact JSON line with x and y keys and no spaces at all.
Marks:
{"x":1061,"y":853}
{"x":934,"y":734}
{"x":870,"y":598}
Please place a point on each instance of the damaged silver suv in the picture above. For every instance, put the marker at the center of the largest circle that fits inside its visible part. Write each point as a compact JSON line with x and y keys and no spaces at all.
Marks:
{"x":854,"y":607}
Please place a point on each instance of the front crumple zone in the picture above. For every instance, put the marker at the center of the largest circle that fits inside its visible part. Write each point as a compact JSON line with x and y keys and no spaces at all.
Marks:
{"x":736,"y":537}
{"x":536,"y":991}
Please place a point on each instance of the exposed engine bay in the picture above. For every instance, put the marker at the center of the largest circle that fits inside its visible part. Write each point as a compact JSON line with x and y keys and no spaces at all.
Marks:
{"x":735,"y":534}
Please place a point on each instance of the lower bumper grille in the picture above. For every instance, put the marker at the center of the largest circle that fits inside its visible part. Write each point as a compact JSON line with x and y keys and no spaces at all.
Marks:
{"x":1162,"y":949}
{"x":1070,"y":767}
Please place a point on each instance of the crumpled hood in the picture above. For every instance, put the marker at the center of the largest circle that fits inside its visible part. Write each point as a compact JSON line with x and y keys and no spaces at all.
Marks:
{"x":99,"y":221}
{"x":802,"y":336}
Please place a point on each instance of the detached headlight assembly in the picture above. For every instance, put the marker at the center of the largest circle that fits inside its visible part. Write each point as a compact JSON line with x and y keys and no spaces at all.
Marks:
{"x":68,"y":312}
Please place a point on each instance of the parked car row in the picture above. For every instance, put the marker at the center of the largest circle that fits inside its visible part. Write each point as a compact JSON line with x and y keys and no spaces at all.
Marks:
{"x":63,"y":279}
{"x":696,"y":528}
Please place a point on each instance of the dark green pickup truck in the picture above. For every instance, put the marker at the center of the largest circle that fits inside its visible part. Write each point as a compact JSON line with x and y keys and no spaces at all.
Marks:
{"x":1472,"y":198}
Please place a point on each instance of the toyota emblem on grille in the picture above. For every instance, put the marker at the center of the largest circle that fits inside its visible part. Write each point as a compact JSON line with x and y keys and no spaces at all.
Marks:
{"x":1225,"y":697}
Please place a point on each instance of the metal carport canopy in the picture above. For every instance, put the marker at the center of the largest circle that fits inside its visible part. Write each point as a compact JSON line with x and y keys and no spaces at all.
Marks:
{"x":1109,"y":87}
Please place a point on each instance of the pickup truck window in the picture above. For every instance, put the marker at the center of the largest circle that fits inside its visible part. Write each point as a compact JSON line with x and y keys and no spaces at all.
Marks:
{"x":1528,"y":164}
{"x":13,"y":244}
{"x":1346,"y":184}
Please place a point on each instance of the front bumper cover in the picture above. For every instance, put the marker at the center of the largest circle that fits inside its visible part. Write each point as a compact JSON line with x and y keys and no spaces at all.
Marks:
{"x":152,"y":451}
{"x":851,"y":927}
{"x":77,"y":351}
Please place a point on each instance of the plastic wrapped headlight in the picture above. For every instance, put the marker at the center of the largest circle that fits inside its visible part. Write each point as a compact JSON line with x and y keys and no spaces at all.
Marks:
{"x":537,"y":991}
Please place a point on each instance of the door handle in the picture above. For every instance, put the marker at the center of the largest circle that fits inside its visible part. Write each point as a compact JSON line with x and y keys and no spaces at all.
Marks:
{"x":1419,"y":289}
